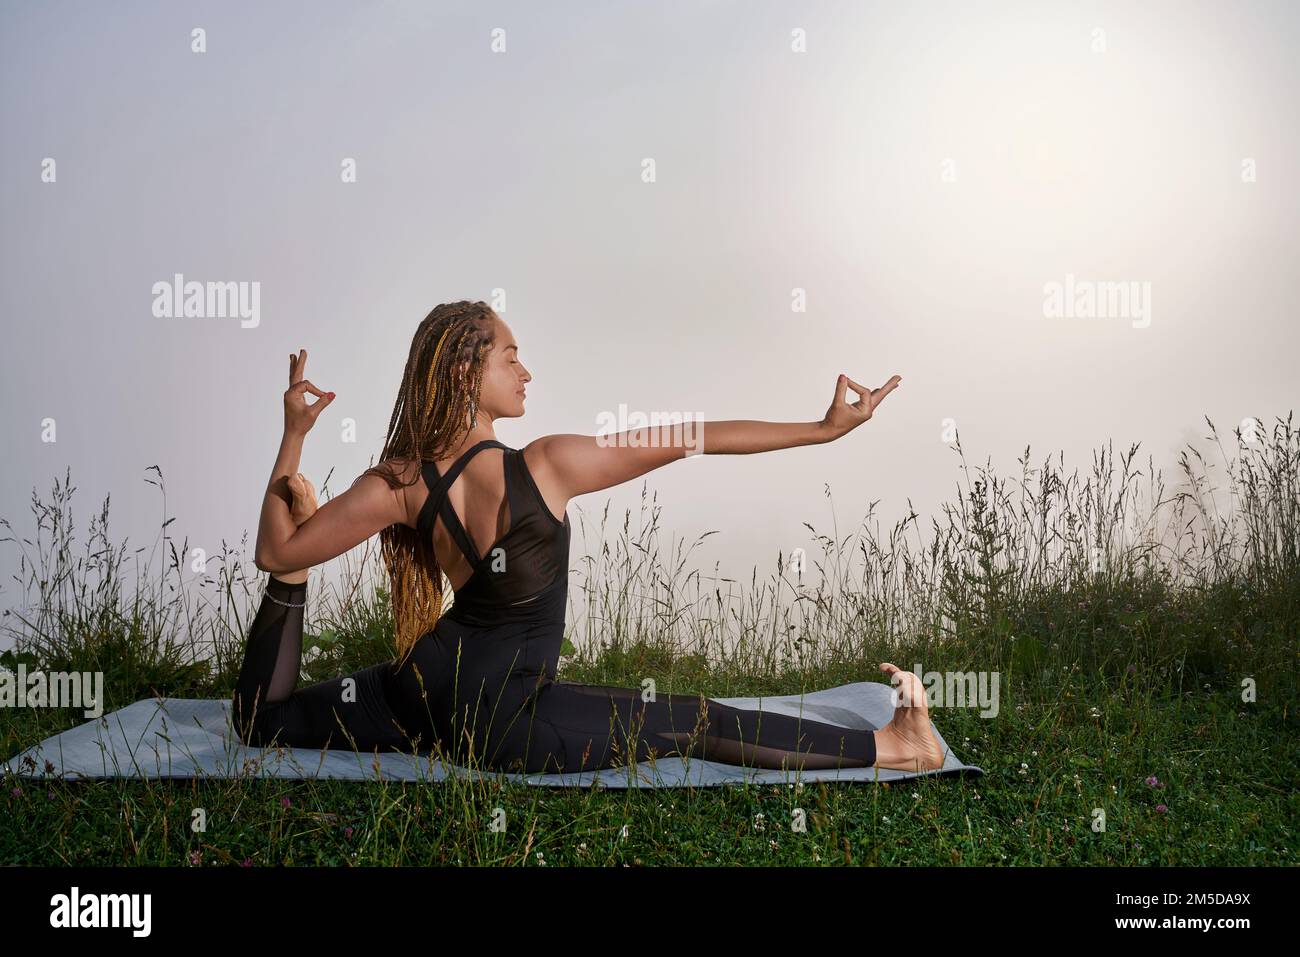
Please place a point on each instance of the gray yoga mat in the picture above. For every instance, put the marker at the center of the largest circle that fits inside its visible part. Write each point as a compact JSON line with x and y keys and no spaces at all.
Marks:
{"x":191,"y":738}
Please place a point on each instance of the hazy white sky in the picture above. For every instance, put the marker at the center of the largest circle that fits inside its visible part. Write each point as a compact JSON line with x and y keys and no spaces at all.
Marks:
{"x":917,"y":175}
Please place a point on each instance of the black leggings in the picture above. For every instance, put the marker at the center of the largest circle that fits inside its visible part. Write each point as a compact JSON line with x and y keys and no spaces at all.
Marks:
{"x":491,"y":695}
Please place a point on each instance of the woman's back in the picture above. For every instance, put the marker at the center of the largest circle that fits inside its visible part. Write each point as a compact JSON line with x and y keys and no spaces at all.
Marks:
{"x":491,"y":528}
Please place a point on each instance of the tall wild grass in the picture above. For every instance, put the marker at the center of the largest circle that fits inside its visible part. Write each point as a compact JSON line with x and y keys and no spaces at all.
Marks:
{"x":1105,"y":578}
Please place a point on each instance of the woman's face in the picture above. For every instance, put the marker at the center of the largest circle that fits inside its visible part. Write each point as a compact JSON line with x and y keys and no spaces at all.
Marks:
{"x":502,"y":391}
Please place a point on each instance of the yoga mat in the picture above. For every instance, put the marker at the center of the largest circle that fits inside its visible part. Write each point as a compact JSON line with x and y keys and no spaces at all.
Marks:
{"x":192,"y":738}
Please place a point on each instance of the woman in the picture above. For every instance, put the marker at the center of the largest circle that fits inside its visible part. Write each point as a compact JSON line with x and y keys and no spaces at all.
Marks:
{"x":478,"y":683}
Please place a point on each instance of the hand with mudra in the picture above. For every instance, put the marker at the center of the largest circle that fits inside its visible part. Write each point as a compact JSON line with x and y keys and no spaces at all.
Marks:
{"x":843,"y":417}
{"x":299,"y":417}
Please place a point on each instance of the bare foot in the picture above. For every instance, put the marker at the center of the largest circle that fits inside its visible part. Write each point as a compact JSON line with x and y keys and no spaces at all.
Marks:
{"x":908,"y":742}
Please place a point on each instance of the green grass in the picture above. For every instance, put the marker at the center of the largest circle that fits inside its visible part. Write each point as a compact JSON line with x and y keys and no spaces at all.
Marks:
{"x":1122,"y":630}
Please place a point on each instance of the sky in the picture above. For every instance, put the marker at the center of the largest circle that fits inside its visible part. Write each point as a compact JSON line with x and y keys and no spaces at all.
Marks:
{"x":1063,"y":224}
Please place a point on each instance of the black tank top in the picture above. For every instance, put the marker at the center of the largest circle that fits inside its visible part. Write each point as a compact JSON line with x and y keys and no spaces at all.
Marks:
{"x":528,"y":559}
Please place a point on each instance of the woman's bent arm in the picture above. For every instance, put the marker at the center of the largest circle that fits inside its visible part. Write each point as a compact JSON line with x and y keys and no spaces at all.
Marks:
{"x":276,"y":523}
{"x":347,"y":520}
{"x":365,"y":509}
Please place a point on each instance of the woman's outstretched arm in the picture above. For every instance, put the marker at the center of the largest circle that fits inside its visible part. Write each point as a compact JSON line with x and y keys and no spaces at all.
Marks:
{"x":578,"y":464}
{"x":369,"y":506}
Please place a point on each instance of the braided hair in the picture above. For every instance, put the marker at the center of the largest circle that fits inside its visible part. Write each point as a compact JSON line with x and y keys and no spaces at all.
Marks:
{"x":436,"y":407}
